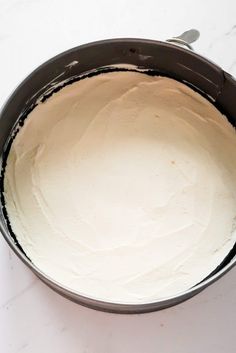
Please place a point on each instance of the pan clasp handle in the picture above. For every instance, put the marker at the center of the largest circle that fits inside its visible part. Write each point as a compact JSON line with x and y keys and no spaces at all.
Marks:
{"x":186,"y":38}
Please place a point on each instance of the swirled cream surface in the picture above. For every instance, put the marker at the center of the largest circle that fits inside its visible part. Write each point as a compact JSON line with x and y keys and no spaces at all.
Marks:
{"x":122,"y":187}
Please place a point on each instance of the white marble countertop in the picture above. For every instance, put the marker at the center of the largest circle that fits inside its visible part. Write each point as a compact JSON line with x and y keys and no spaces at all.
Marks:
{"x":34,"y":319}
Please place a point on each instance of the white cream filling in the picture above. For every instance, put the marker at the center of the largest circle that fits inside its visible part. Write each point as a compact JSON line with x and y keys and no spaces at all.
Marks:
{"x":122,"y":187}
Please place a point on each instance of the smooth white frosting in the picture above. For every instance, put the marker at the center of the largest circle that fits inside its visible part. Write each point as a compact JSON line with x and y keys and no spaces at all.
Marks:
{"x":123,"y":187}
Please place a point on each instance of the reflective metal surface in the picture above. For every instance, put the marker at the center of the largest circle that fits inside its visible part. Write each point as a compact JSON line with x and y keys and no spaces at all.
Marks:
{"x":161,"y":59}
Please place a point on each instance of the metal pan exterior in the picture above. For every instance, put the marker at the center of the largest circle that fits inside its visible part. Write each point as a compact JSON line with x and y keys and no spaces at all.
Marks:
{"x":158,"y":57}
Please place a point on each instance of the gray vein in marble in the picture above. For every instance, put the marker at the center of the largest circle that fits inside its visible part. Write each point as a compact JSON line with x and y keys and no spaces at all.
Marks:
{"x":231,"y":31}
{"x":19,"y":294}
{"x":10,"y":254}
{"x":3,"y":37}
{"x":10,"y":259}
{"x":233,"y":65}
{"x":22,"y":347}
